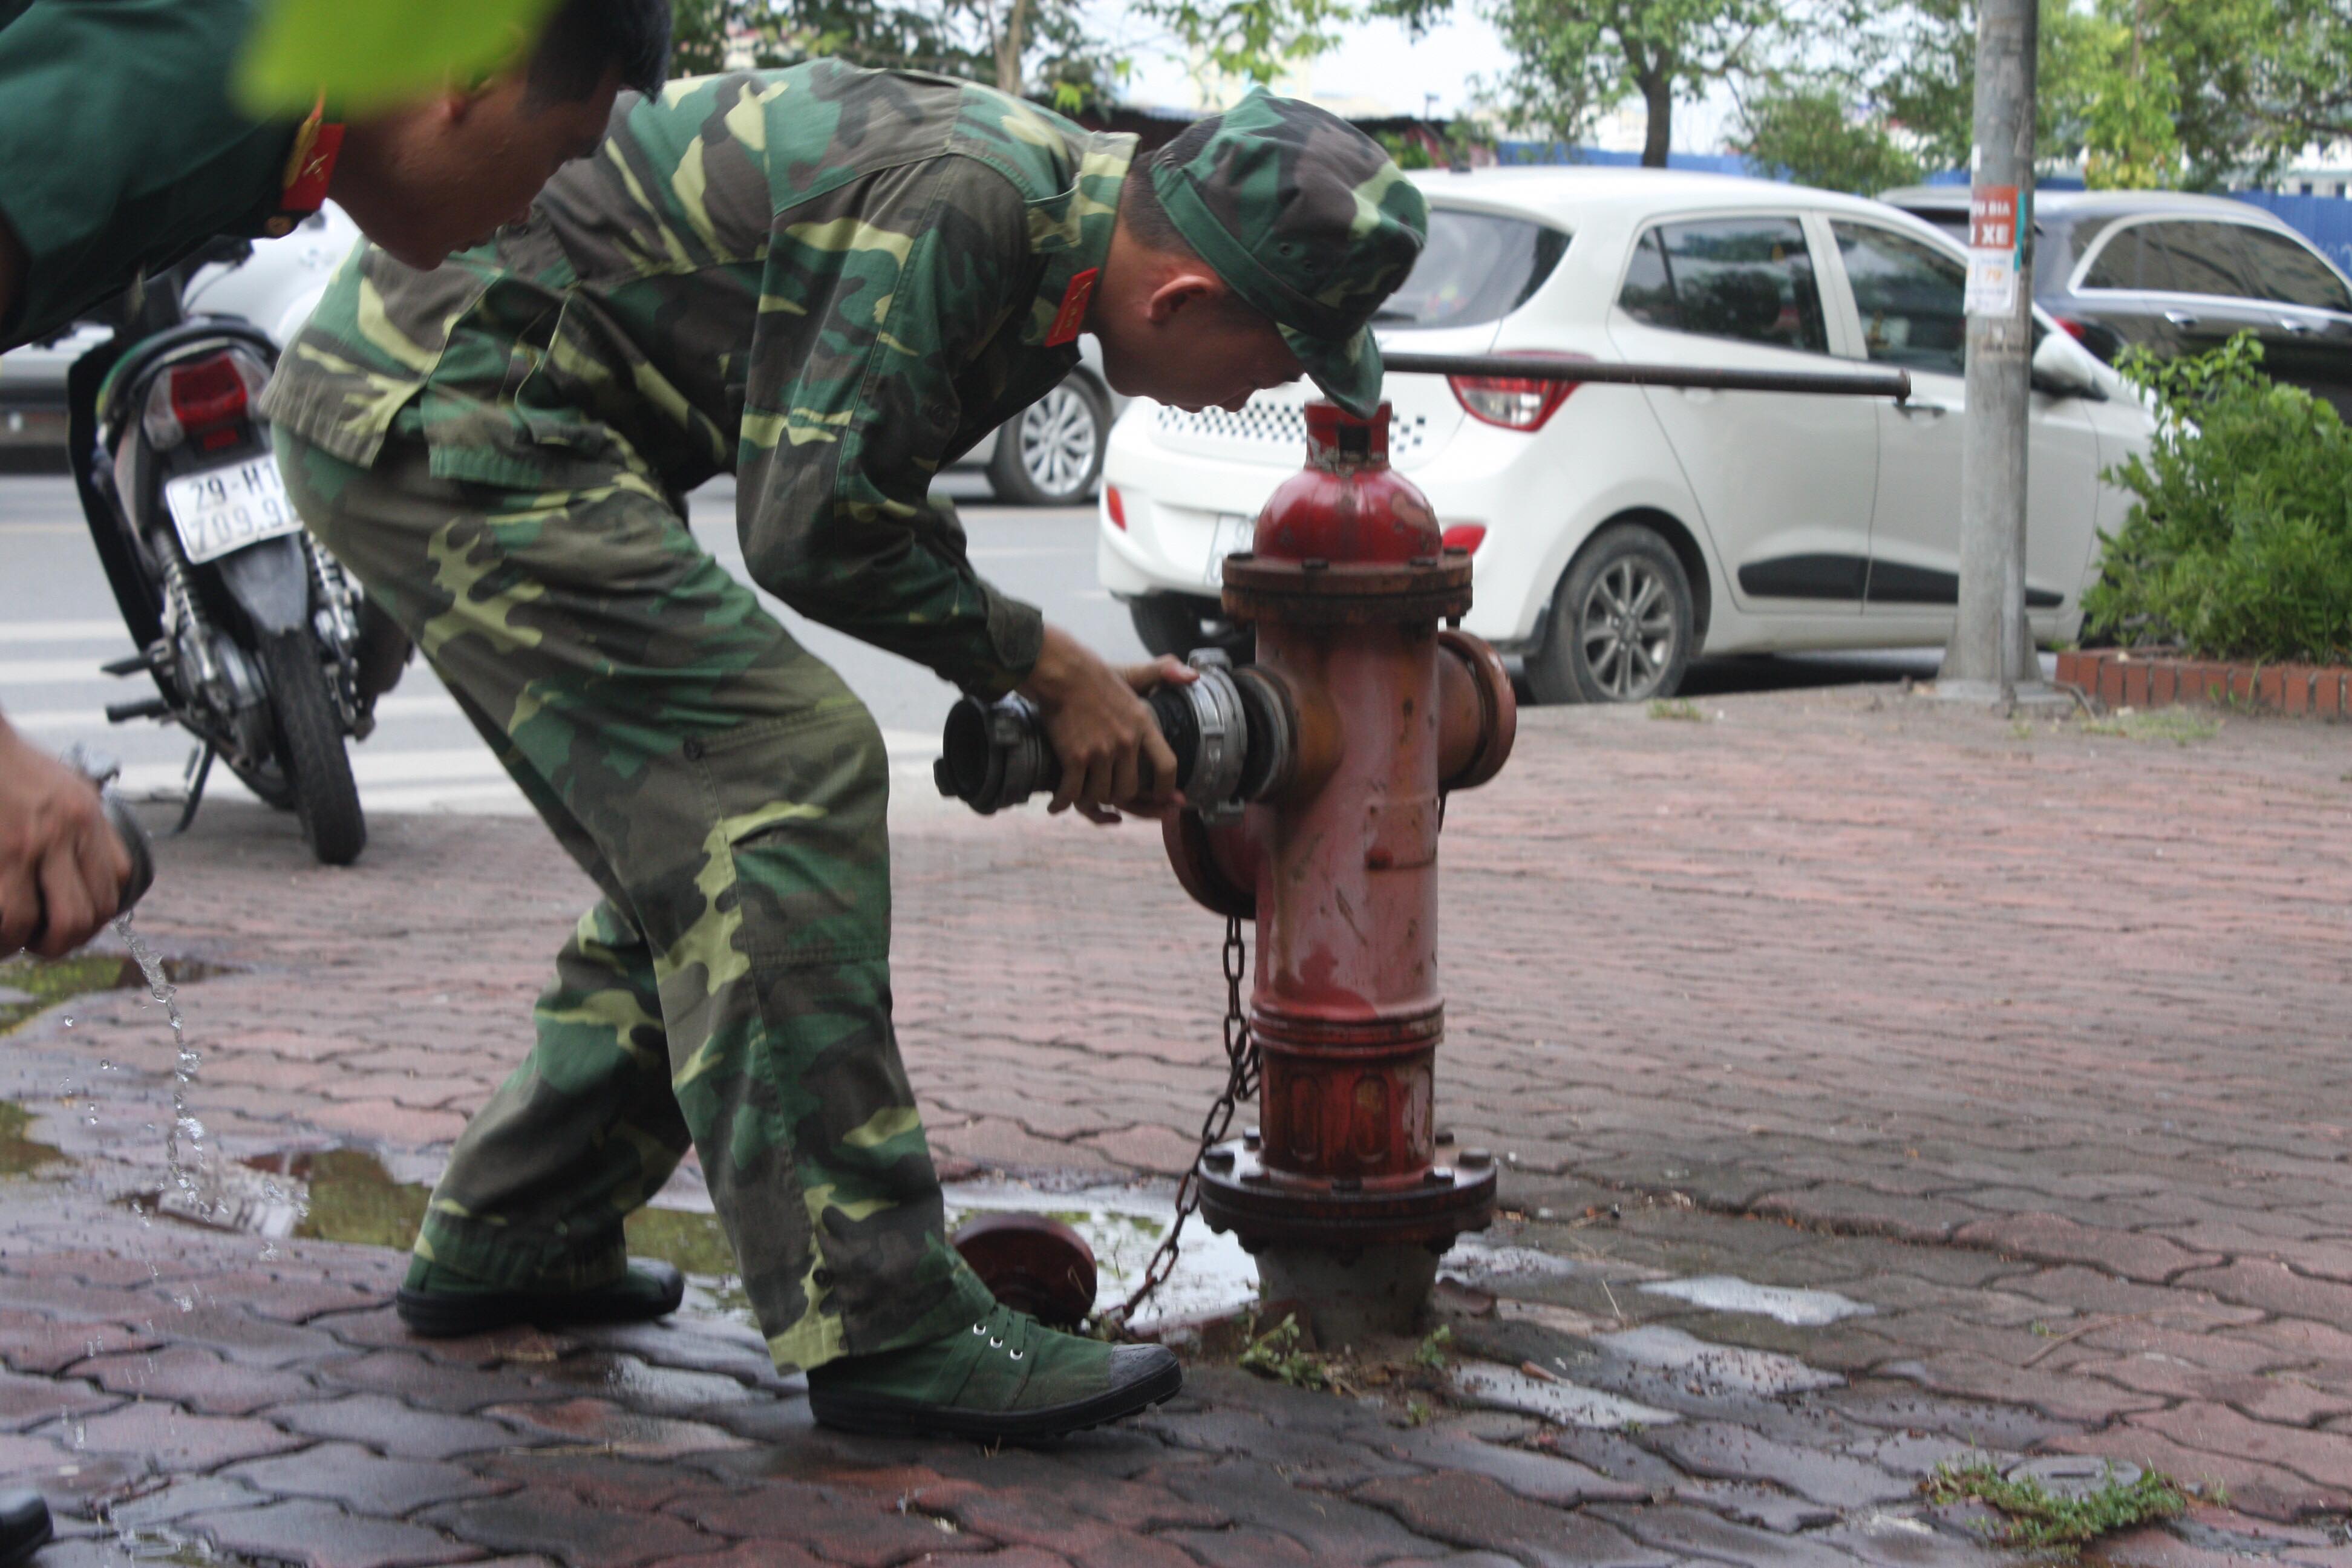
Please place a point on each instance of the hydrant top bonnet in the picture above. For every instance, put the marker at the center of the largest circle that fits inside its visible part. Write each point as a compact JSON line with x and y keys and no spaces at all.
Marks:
{"x":1347,"y":507}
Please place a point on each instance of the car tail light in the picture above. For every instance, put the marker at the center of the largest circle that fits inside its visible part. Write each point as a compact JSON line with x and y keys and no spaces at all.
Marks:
{"x":1513,"y":402}
{"x":1466,"y":536}
{"x":1115,"y":507}
{"x":205,"y":398}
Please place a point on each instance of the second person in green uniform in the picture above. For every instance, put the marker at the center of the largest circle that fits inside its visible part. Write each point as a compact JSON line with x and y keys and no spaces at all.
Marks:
{"x":830,"y":281}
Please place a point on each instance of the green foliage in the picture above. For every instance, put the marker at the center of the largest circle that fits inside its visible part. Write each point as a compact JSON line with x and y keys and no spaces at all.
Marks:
{"x":2039,"y":1518}
{"x":2180,"y":726}
{"x":19,"y":1152}
{"x":367,"y":54}
{"x":1432,"y":1351}
{"x":1678,"y":707}
{"x":1916,"y":60}
{"x":1803,"y":132}
{"x":48,"y":981}
{"x":2240,"y":543}
{"x":1252,"y":39}
{"x":1573,"y":60}
{"x":1047,"y":48}
{"x":2199,"y":94}
{"x":1277,"y":1354}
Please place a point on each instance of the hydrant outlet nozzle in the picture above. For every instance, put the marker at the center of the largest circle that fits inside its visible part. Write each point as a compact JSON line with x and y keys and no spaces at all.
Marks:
{"x":1234,"y":733}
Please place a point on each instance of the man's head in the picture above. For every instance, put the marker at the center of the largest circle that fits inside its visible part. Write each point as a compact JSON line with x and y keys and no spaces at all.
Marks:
{"x":1256,"y":245}
{"x":436,"y":177}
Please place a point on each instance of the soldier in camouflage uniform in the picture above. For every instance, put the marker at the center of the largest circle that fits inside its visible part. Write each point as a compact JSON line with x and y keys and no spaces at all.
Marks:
{"x":831,"y":281}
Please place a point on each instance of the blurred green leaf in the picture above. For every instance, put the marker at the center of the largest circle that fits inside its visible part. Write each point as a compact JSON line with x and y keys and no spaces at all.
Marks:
{"x":369,"y":54}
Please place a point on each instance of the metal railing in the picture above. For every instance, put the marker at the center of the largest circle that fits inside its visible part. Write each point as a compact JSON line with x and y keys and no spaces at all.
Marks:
{"x":1893,"y":384}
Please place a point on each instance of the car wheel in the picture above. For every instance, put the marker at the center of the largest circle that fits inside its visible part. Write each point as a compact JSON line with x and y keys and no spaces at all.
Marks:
{"x":1175,"y":623}
{"x":1050,"y":453}
{"x":1621,"y":625}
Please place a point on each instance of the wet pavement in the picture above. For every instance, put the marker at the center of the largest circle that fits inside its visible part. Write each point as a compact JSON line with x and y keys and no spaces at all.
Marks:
{"x":1878,"y":1085}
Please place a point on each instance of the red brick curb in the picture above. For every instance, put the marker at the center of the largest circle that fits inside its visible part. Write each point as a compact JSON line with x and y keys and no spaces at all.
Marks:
{"x":2122,"y":679}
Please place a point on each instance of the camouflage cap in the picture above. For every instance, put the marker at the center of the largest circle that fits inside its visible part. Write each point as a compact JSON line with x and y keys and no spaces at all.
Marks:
{"x":1307,"y":221}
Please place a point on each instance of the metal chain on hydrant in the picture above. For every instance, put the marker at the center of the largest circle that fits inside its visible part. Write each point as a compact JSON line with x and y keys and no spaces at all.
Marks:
{"x":1241,"y":1082}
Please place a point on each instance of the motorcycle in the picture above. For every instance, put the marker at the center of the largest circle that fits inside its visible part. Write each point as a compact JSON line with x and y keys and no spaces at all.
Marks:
{"x":251,"y":632}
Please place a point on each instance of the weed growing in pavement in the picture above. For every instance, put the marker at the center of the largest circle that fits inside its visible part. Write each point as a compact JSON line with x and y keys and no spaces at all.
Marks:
{"x":2034,"y":1516}
{"x":2174,"y":724}
{"x":19,"y":1153}
{"x":1277,"y":1354}
{"x":1431,"y":1351}
{"x":47,"y":982}
{"x":1678,"y":707}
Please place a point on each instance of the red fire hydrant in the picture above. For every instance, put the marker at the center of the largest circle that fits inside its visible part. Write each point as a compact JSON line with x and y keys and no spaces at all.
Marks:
{"x":1341,"y":1193}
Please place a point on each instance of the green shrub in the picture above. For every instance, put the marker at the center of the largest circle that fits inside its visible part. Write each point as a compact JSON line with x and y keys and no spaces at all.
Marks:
{"x":2239,"y":544}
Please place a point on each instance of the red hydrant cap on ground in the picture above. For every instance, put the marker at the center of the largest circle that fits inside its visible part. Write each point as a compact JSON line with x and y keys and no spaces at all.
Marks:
{"x":1348,"y":505}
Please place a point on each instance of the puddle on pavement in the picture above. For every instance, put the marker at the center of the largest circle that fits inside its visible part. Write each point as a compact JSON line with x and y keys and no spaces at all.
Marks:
{"x":1714,"y":1370}
{"x":20,"y":1154}
{"x":1727,"y":1294}
{"x":347,"y":1194}
{"x":30,"y":985}
{"x":1553,"y":1398}
{"x":1125,"y":1226}
{"x":139,"y":1548}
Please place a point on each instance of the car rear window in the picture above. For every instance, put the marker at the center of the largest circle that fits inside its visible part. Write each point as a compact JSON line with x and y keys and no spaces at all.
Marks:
{"x":1476,"y":268}
{"x":2282,"y":269}
{"x":2172,"y":257}
{"x":1749,"y":279}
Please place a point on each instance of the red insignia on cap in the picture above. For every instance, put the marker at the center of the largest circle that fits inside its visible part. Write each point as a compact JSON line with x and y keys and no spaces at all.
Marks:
{"x":1073,"y":314}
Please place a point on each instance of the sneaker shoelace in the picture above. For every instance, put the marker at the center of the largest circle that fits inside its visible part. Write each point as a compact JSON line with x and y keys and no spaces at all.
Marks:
{"x":1008,"y":1333}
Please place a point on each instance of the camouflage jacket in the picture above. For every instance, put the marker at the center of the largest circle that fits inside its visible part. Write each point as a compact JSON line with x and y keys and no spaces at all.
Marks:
{"x":830,"y":280}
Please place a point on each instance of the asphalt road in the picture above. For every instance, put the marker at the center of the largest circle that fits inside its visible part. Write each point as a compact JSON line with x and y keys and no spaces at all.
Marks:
{"x":58,"y":625}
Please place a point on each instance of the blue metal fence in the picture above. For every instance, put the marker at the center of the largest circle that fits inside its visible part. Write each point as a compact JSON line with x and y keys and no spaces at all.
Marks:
{"x":1522,"y":153}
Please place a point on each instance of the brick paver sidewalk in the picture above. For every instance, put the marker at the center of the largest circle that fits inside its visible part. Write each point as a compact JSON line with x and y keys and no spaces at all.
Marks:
{"x":2030,"y":1041}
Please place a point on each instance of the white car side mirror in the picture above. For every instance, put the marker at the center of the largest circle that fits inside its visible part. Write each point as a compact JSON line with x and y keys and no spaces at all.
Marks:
{"x":2059,"y":369}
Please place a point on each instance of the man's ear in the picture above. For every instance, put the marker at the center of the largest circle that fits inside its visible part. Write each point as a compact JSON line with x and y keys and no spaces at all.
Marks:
{"x":1184,"y":290}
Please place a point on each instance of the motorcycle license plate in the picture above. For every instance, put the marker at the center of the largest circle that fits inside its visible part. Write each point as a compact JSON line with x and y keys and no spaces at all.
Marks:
{"x":226,"y":508}
{"x":1234,"y":533}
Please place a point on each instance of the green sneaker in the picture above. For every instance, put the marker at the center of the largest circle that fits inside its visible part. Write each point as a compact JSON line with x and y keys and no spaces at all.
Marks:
{"x":440,"y":1303}
{"x":1005,"y":1378}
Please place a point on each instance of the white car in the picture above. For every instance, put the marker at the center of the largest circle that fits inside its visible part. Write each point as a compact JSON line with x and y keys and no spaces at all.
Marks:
{"x":1618,"y":532}
{"x":276,"y":288}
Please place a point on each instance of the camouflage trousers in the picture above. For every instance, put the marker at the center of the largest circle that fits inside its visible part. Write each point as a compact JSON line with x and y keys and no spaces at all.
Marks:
{"x":726,"y":792}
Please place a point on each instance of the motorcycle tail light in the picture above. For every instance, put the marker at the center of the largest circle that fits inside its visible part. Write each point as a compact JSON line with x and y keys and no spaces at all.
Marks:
{"x":1115,"y":506}
{"x":1466,"y":536}
{"x":205,"y":398}
{"x":2074,"y":329}
{"x":1512,"y":402}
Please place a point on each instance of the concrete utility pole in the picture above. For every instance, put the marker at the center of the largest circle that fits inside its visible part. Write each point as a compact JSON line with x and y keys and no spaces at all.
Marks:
{"x":1991,"y":652}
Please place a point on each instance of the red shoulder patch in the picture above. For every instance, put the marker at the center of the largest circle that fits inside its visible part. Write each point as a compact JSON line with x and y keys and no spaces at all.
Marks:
{"x":1073,"y":314}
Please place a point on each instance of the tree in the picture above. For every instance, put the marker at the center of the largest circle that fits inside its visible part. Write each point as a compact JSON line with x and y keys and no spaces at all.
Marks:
{"x":1575,"y":59}
{"x":1255,"y":40}
{"x":1916,"y":59}
{"x":2198,"y":94}
{"x":1803,"y":132}
{"x":1017,"y":46}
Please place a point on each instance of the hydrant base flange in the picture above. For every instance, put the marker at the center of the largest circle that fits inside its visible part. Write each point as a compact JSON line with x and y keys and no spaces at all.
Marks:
{"x":1339,"y":1215}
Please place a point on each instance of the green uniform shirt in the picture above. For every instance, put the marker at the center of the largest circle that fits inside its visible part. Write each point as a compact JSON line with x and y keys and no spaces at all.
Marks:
{"x":830,"y":280}
{"x":119,"y":150}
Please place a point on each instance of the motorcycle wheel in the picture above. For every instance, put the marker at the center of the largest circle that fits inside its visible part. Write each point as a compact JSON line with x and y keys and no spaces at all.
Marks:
{"x":311,"y":751}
